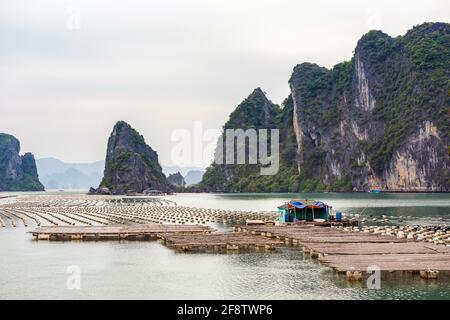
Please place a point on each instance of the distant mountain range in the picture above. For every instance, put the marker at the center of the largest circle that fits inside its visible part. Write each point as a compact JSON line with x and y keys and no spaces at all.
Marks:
{"x":191,"y":175}
{"x":56,"y":174}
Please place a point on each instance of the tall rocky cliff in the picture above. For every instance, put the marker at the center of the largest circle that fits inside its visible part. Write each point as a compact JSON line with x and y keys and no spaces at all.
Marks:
{"x":131,"y":165}
{"x":380,"y":120}
{"x":17,"y":173}
{"x":257,"y":112}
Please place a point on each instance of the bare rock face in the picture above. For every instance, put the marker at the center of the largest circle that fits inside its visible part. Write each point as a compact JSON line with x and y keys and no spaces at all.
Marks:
{"x":17,"y":173}
{"x":131,"y":165}
{"x":412,"y":167}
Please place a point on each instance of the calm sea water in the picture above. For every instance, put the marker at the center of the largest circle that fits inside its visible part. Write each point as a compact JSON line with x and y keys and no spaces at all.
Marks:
{"x":148,"y":270}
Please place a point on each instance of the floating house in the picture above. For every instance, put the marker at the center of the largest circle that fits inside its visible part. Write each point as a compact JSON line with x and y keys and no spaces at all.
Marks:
{"x":304,"y":210}
{"x":375,"y":189}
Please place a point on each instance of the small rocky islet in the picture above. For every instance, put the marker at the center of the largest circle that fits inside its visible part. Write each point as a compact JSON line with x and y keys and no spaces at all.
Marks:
{"x":17,"y":173}
{"x":131,"y":165}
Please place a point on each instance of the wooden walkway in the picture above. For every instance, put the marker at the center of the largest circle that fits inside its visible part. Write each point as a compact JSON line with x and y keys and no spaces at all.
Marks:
{"x":355,"y":252}
{"x":225,"y":242}
{"x":115,"y":232}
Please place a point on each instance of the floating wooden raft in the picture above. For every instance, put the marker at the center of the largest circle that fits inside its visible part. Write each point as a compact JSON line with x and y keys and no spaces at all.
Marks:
{"x":219,"y":242}
{"x":115,"y":232}
{"x":376,"y":248}
{"x":389,"y":262}
{"x":311,"y":234}
{"x":354,"y":252}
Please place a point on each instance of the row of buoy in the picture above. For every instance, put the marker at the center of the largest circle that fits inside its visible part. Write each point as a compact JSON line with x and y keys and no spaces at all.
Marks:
{"x":29,"y":216}
{"x":175,"y":214}
{"x":73,"y":211}
{"x":75,"y":218}
{"x":379,"y":216}
{"x":18,"y":216}
{"x":40,"y":215}
{"x":437,"y":234}
{"x":68,"y":202}
{"x":58,"y":217}
{"x":9,"y":218}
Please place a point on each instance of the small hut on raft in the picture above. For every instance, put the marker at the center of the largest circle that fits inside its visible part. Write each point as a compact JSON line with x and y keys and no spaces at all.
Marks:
{"x":304,"y":210}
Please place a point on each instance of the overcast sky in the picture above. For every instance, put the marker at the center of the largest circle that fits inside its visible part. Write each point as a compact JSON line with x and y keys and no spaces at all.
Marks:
{"x":161,"y":65}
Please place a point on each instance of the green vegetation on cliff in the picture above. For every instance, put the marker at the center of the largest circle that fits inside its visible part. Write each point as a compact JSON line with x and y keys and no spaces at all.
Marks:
{"x":365,"y":123}
{"x":415,"y":70}
{"x":357,"y":116}
{"x":256,"y":112}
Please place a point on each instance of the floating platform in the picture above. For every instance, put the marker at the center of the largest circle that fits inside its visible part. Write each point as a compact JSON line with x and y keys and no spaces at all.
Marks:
{"x":389,"y":262}
{"x":226,"y":242}
{"x":376,"y":248}
{"x":354,"y":252}
{"x":348,"y":252}
{"x":311,"y":234}
{"x":115,"y":232}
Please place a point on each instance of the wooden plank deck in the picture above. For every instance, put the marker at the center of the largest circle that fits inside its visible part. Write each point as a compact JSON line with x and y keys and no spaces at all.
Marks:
{"x":219,"y":242}
{"x":389,"y":262}
{"x":114,"y":232}
{"x":311,"y":234}
{"x":355,"y":251}
{"x":342,"y":251}
{"x":376,"y":248}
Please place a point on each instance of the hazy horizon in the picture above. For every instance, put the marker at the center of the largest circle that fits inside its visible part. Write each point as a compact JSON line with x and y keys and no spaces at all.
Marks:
{"x":166,"y":167}
{"x":161,"y":66}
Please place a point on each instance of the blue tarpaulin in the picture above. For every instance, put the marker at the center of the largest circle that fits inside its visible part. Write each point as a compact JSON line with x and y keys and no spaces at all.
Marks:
{"x":298,"y":205}
{"x":319,"y":204}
